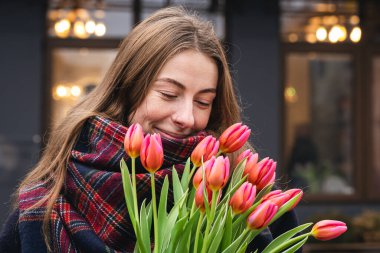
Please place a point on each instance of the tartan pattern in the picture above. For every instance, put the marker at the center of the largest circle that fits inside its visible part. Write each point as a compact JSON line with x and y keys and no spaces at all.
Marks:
{"x":90,"y":214}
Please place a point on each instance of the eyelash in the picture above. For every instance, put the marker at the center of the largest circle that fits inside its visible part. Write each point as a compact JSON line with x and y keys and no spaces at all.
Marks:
{"x":169,"y":96}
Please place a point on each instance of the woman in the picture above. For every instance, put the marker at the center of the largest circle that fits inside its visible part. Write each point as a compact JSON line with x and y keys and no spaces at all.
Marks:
{"x":171,"y":76}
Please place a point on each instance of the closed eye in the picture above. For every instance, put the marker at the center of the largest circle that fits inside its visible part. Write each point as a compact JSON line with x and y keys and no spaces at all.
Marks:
{"x":167,"y":95}
{"x":203,"y":104}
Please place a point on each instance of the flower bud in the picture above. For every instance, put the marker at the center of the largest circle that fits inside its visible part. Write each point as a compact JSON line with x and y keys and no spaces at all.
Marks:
{"x":243,"y":198}
{"x":277,"y":197}
{"x":234,"y":137}
{"x":198,"y":177}
{"x":251,"y":161}
{"x":199,"y":201}
{"x":217,"y":176}
{"x":262,"y":215}
{"x":328,"y":229}
{"x":133,"y":140}
{"x":263,"y":173}
{"x":207,"y":148}
{"x":292,"y":193}
{"x":152,"y":153}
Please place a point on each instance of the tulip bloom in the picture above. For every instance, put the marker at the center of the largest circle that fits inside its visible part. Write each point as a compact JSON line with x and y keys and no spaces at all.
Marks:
{"x":152,"y":153}
{"x":217,"y":176}
{"x":243,"y":198}
{"x":262,"y":215}
{"x":328,"y":229}
{"x":133,"y":140}
{"x":263,"y":173}
{"x":251,"y":161}
{"x":198,"y":177}
{"x":292,"y":193}
{"x":199,"y":201}
{"x":234,"y":137}
{"x":277,"y":197}
{"x":207,"y":148}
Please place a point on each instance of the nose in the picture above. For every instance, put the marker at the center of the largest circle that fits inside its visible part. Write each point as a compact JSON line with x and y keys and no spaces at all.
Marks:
{"x":184,"y":116}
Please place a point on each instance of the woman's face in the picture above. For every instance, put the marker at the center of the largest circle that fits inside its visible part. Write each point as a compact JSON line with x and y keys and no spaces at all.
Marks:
{"x":179,"y":101}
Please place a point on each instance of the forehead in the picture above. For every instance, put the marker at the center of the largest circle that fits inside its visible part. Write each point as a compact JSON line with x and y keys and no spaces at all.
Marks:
{"x":191,"y":69}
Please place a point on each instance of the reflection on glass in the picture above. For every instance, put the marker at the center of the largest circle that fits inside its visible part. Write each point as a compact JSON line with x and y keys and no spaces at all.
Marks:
{"x":376,"y":122}
{"x":75,"y":73}
{"x":318,"y":122}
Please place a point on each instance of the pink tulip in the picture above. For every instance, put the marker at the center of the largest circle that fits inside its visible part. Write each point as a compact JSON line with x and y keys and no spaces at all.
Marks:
{"x":152,"y":153}
{"x":243,"y":198}
{"x":234,"y":137}
{"x":262,"y":215}
{"x":292,"y":193}
{"x":217,"y":176}
{"x":198,"y":177}
{"x":250,"y":162}
{"x":263,"y":173}
{"x":277,"y":197}
{"x":328,"y":229}
{"x":207,"y":148}
{"x":199,"y":201}
{"x":133,"y":140}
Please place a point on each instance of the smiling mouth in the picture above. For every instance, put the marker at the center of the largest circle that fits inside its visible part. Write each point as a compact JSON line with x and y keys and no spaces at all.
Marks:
{"x":169,"y":134}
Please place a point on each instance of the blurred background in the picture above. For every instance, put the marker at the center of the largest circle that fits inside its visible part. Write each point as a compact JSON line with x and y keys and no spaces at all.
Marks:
{"x":307,"y":71}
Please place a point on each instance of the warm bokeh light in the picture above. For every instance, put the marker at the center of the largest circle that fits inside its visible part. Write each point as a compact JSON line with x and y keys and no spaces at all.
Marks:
{"x":79,"y":30}
{"x":61,"y":91}
{"x":334,"y":34}
{"x":321,"y":33}
{"x":75,"y":91}
{"x":354,"y":20}
{"x":290,"y":94}
{"x":310,"y":37}
{"x":343,"y":33}
{"x":90,"y":26}
{"x":62,"y":28}
{"x":356,"y":34}
{"x":100,"y":29}
{"x":293,"y":37}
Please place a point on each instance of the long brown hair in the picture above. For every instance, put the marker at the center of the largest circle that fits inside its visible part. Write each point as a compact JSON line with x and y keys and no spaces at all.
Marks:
{"x":141,"y":56}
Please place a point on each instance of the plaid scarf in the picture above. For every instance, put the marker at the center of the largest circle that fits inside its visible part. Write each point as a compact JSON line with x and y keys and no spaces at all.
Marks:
{"x":90,"y":214}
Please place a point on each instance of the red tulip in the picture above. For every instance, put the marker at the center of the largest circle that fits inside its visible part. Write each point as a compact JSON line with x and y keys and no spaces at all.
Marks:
{"x":234,"y":137}
{"x":243,"y":198}
{"x":207,"y":148}
{"x":199,"y":201}
{"x":217,"y":176}
{"x":328,"y":229}
{"x":263,"y":173}
{"x":198,"y":177}
{"x":152,"y":153}
{"x":277,"y":197}
{"x":262,"y":215}
{"x":292,"y":193}
{"x":133,"y":140}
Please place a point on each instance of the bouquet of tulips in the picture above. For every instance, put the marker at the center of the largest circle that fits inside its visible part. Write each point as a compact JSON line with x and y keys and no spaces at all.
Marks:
{"x":217,"y":212}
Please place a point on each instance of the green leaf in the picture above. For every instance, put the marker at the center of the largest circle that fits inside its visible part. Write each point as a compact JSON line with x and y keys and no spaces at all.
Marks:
{"x":285,"y":207}
{"x":177,"y":188}
{"x":183,"y":244}
{"x":237,"y":174}
{"x":235,"y":244}
{"x":176,"y":233}
{"x":127,"y":186}
{"x":242,"y":248}
{"x":217,"y":231}
{"x":285,"y":237}
{"x":227,"y":236}
{"x":185,"y":175}
{"x":242,"y":218}
{"x":263,"y":192}
{"x":145,"y":230}
{"x":295,"y":247}
{"x":161,"y":217}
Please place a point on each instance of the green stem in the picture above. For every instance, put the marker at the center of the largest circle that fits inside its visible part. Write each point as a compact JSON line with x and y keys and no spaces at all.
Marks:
{"x":153,"y":185}
{"x":192,"y":172}
{"x":210,"y":220}
{"x":134,"y":189}
{"x":198,"y":232}
{"x":288,"y":243}
{"x":219,"y":153}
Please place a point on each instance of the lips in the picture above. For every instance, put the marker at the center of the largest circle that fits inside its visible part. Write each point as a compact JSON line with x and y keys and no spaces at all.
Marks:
{"x":170,"y":135}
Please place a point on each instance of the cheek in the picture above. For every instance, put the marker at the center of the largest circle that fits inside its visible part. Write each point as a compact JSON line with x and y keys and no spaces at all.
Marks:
{"x":201,"y":119}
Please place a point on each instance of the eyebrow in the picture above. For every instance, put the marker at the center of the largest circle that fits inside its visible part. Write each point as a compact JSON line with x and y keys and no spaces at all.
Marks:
{"x":182,"y":87}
